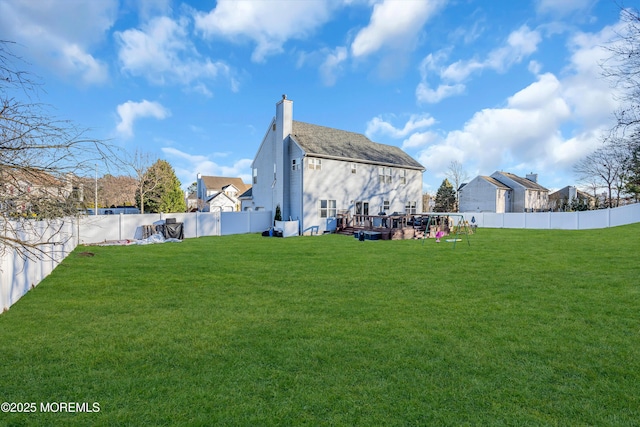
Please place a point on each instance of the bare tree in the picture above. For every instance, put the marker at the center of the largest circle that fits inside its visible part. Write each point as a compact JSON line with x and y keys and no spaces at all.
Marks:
{"x":622,"y":68}
{"x":41,"y":158}
{"x":457,"y":176}
{"x":146,"y":182}
{"x":602,"y":169}
{"x":117,"y":190}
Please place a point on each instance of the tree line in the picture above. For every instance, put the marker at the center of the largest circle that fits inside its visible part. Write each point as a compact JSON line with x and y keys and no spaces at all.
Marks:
{"x":151,"y":187}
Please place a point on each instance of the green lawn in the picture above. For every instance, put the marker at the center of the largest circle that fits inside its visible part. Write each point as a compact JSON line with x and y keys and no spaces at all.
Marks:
{"x":522,"y":327}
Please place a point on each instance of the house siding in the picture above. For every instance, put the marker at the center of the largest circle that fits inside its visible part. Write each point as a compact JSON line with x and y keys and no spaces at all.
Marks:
{"x":294,"y":206}
{"x":525,"y":199}
{"x":263,"y":192}
{"x":335,"y":181}
{"x":479,"y":196}
{"x":299,"y":192}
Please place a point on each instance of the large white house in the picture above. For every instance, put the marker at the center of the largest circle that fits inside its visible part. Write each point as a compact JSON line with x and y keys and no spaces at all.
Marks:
{"x":503,"y":192}
{"x":314,"y":173}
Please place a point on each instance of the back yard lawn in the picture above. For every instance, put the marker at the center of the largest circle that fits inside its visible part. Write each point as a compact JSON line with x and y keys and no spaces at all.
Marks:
{"x":522,"y":327}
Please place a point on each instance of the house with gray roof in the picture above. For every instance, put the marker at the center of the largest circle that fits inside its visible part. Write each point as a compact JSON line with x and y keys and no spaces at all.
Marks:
{"x":315,"y":173}
{"x":219,"y":193}
{"x":570,"y":198}
{"x":503,"y":192}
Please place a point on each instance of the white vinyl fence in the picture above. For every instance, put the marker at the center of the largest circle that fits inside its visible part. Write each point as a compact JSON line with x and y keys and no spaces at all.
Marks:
{"x":18,"y":275}
{"x":584,"y":220}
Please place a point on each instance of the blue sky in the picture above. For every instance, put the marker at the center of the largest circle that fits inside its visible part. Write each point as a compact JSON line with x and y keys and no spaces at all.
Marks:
{"x":494,"y":85}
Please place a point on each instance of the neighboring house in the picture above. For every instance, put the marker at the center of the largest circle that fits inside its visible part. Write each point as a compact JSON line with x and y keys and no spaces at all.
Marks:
{"x":504,"y":192}
{"x":315,"y":173}
{"x":19,"y":189}
{"x":245,"y":200}
{"x":570,"y":198}
{"x":191,"y":199}
{"x":484,"y":194}
{"x":220,"y":202}
{"x":216,"y":193}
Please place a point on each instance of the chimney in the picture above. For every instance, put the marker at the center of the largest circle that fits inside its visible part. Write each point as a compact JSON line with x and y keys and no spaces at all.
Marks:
{"x":284,"y":117}
{"x":533,"y":177}
{"x":283,"y":127}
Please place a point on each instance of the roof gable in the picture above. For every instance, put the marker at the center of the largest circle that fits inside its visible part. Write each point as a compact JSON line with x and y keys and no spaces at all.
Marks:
{"x":220,"y":182}
{"x":222,"y":198}
{"x":339,"y":144}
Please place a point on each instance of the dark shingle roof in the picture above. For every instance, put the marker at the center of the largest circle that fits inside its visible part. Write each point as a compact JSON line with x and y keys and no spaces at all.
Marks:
{"x":220,"y":182}
{"x":333,"y":143}
{"x":495,"y":182}
{"x":526,"y":183}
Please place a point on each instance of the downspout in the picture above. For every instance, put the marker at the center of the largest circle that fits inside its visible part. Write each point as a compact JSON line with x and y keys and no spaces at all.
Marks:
{"x":301,"y":211}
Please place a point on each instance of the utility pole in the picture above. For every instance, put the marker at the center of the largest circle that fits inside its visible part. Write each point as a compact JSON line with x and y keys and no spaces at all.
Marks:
{"x":96,"y":211}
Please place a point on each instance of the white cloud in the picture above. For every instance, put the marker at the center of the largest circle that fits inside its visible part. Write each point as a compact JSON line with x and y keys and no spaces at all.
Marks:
{"x":526,"y":133}
{"x":130,"y":111}
{"x":519,"y":45}
{"x":60,"y":34}
{"x":187,"y":166}
{"x":432,"y":96}
{"x":377,"y":126}
{"x":268,"y":24}
{"x":332,"y":65}
{"x":527,"y":128}
{"x":420,"y":139}
{"x":162,"y":53}
{"x":393,"y":24}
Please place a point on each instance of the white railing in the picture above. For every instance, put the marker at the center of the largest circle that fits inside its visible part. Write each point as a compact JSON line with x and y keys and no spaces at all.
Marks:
{"x":19,"y":274}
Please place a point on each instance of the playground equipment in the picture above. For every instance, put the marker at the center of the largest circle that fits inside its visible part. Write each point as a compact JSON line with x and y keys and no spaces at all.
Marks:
{"x":461,"y":227}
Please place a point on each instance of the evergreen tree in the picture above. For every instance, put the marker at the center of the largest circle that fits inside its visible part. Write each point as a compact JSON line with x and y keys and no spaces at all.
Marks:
{"x":163,"y":189}
{"x":445,"y":198}
{"x":632,"y":171}
{"x":172,"y":200}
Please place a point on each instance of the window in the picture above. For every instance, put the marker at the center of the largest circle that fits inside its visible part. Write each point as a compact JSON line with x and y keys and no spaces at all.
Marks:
{"x":315,"y":164}
{"x":255,"y":175}
{"x":327,"y":208}
{"x":403,"y":176}
{"x":410,"y":208}
{"x":385,"y":206}
{"x":354,"y":168}
{"x":384,"y":175}
{"x":294,"y":164}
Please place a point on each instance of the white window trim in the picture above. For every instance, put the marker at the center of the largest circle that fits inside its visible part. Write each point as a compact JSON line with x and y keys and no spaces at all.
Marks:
{"x":384,"y":175}
{"x":315,"y":163}
{"x":329,"y":211}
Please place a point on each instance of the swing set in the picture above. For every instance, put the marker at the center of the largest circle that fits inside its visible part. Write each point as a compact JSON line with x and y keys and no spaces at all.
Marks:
{"x":461,"y":227}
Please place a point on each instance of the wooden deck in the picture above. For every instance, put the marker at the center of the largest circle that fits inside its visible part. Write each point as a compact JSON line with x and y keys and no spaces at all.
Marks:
{"x":392,"y":227}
